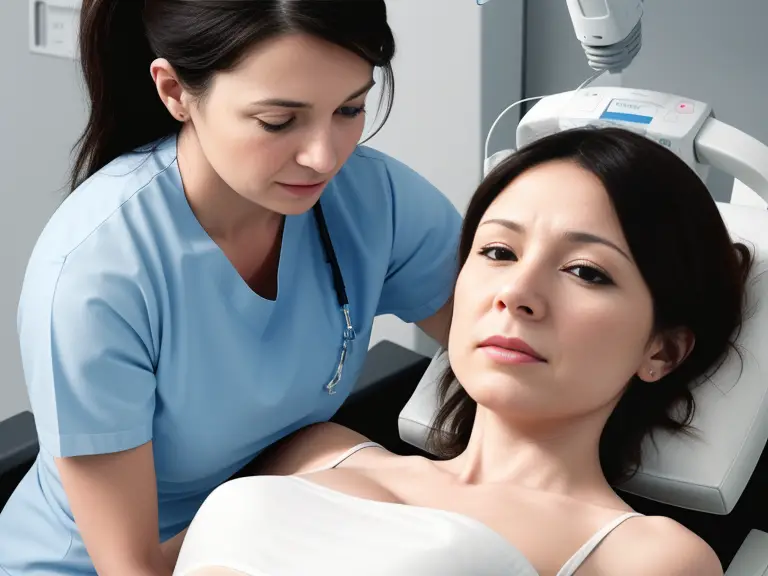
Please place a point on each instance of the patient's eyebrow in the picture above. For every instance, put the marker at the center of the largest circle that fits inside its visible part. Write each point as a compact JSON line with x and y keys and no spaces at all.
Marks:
{"x":571,"y":235}
{"x":286,"y":103}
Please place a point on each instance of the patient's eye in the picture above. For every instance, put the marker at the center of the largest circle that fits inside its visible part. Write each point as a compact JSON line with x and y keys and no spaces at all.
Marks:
{"x":498,"y":253}
{"x":590,"y":274}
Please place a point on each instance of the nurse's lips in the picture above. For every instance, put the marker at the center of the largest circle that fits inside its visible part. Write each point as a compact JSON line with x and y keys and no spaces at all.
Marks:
{"x":303,"y":189}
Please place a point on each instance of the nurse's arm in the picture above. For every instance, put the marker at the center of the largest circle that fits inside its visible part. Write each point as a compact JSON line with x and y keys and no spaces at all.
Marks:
{"x":437,"y":325}
{"x":114,"y":503}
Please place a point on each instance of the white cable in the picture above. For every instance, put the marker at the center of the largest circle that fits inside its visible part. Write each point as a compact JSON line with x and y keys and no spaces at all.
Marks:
{"x":507,"y":109}
{"x":591,"y":79}
{"x":586,"y":82}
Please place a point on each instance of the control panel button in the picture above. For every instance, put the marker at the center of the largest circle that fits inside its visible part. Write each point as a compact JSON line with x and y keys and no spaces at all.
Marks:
{"x":586,"y":101}
{"x":684,"y":108}
{"x":671,"y":117}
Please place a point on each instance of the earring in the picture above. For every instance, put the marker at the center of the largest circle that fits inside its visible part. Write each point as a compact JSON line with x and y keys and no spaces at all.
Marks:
{"x":651,"y":372}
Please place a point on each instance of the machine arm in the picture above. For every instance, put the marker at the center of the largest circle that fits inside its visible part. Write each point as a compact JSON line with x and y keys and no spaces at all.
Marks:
{"x":610,"y":31}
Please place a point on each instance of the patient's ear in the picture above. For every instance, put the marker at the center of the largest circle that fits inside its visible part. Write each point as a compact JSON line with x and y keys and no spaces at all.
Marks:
{"x":665,"y":353}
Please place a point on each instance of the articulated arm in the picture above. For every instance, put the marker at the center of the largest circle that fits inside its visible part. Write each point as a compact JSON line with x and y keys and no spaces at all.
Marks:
{"x":609,"y":30}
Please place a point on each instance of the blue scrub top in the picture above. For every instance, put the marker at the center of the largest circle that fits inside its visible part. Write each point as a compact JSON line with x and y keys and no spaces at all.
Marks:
{"x":134,"y":326}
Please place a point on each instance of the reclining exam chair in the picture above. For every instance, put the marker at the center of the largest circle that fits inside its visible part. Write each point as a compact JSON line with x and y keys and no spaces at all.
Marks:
{"x":717,"y":485}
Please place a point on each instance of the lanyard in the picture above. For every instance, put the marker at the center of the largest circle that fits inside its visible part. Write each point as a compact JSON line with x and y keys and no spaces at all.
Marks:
{"x":341,"y":295}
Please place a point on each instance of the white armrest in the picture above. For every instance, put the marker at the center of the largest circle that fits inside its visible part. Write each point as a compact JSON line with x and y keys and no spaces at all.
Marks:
{"x":752,"y":557}
{"x":415,"y":419}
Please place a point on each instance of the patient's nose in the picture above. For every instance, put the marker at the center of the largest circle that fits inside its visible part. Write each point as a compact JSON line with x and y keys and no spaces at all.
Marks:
{"x":522,"y":294}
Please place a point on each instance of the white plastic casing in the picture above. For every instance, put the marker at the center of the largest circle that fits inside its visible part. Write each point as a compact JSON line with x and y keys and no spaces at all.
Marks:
{"x":604,"y":22}
{"x":670,"y":120}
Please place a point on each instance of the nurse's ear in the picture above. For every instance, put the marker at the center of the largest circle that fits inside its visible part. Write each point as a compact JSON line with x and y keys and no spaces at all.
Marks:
{"x":170,"y":89}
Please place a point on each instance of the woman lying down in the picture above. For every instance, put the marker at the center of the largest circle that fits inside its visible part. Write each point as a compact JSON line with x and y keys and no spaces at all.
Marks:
{"x":597,"y":282}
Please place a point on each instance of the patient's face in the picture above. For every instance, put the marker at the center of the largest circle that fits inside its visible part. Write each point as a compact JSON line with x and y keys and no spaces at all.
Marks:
{"x":550,"y":266}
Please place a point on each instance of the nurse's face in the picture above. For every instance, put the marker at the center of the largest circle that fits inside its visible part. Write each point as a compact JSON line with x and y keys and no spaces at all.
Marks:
{"x":281,"y":124}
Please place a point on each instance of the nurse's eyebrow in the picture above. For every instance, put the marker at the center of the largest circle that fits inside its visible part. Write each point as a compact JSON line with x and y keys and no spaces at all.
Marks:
{"x":283,"y":103}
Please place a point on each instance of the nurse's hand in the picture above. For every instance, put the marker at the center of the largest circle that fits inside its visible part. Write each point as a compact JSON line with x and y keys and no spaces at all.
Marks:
{"x":114,"y":502}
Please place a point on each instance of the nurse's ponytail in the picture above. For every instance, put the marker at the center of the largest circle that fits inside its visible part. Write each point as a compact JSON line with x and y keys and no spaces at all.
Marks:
{"x":119,"y":39}
{"x":125,"y":109}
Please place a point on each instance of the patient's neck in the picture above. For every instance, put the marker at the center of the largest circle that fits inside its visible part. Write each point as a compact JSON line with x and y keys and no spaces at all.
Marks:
{"x":560,"y":456}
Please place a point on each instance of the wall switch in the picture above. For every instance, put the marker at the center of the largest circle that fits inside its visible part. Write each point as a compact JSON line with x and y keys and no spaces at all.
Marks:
{"x":53,"y":27}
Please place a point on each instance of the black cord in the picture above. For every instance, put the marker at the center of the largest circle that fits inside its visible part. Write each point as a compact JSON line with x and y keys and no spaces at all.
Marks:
{"x":338,"y":281}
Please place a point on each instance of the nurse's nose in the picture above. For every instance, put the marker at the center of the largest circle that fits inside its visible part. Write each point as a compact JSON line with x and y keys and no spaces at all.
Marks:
{"x":319,"y":152}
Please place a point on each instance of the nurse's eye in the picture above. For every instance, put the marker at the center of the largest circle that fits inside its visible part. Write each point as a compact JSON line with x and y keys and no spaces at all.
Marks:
{"x":590,"y":274}
{"x":269,"y":127}
{"x":498,"y":253}
{"x":351,"y":111}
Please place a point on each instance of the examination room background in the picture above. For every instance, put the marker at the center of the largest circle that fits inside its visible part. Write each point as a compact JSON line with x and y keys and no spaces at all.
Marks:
{"x":458,"y":66}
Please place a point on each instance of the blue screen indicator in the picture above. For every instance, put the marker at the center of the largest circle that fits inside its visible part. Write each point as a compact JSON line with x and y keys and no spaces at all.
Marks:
{"x":636,"y":112}
{"x":626,"y":117}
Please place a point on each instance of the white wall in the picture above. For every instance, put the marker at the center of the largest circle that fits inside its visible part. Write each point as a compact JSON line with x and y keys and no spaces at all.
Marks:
{"x":41,"y":114}
{"x":451,"y":81}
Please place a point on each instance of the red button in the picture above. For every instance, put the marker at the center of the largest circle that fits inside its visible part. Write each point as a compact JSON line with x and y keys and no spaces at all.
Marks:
{"x":685,"y":108}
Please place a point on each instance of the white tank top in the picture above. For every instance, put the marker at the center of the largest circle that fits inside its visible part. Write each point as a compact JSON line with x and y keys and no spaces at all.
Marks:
{"x":290,"y":526}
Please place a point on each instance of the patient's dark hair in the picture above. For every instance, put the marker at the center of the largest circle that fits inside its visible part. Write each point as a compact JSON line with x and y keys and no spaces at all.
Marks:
{"x":695,"y":273}
{"x":119,"y":39}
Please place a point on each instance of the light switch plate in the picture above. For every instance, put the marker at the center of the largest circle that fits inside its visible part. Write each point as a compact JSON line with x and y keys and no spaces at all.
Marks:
{"x":53,"y":27}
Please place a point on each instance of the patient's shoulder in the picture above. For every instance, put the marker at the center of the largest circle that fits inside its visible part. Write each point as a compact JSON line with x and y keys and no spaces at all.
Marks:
{"x":311,"y":448}
{"x":655,"y":545}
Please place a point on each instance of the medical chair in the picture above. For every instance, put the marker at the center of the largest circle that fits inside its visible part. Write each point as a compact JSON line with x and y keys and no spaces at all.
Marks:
{"x":716,"y":485}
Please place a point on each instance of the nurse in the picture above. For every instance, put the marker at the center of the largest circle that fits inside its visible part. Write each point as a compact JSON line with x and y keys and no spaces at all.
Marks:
{"x":210,"y":285}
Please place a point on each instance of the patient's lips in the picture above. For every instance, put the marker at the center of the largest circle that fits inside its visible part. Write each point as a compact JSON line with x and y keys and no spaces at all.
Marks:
{"x":510,"y":351}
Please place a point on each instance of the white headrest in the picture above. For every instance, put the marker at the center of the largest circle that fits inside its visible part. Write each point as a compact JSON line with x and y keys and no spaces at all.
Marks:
{"x":707,"y":473}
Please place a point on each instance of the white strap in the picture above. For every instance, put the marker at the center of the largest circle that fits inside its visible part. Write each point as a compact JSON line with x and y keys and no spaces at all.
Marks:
{"x":575,"y":561}
{"x":335,"y":462}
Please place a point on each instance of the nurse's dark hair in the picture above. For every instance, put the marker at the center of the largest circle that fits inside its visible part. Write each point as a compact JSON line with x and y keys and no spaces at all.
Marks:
{"x":119,"y":39}
{"x":696,"y":275}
